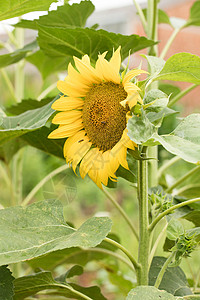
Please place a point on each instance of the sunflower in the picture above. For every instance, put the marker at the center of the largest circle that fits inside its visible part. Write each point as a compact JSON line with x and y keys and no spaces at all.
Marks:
{"x":94,"y":110}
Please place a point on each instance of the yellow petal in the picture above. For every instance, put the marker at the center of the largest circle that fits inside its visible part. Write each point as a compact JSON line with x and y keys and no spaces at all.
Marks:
{"x":131,"y":100}
{"x":67,"y":117}
{"x":72,"y":90}
{"x":130,"y":88}
{"x":115,"y":61}
{"x":66,"y":130}
{"x":107,"y":70}
{"x":69,"y":142}
{"x":131,"y":74}
{"x":86,"y":70}
{"x":88,"y":161}
{"x":75,"y":76}
{"x":67,"y":103}
{"x":125,"y":140}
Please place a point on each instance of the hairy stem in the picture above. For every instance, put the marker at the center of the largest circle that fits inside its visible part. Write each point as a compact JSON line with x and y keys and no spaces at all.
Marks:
{"x":122,"y":212}
{"x":183,"y":178}
{"x":144,"y":236}
{"x":162,"y":271}
{"x":169,"y":210}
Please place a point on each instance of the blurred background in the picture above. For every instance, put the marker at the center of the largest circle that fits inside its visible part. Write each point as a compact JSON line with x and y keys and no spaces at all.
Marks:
{"x":82,"y":199}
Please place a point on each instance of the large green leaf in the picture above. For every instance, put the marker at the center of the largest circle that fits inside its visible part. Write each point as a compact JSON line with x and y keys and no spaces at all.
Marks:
{"x":28,"y":121}
{"x":27,"y":104}
{"x":30,"y":285}
{"x":174,"y":280}
{"x":8,"y":149}
{"x":73,"y":255}
{"x":140,"y":129}
{"x":181,"y":67}
{"x":190,"y":191}
{"x":15,"y":8}
{"x":14,"y":57}
{"x":149,"y":293}
{"x":6,"y":284}
{"x":79,"y":41}
{"x":40,"y":228}
{"x":184,"y":141}
{"x":39,"y":139}
{"x":46,"y":65}
{"x":194,"y":18}
{"x":65,"y":16}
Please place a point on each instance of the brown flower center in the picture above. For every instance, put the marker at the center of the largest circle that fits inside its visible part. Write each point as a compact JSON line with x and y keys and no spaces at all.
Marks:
{"x":104,"y":118}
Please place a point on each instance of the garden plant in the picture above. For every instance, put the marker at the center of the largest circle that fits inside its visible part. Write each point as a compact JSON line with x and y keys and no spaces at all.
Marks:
{"x":105,"y":123}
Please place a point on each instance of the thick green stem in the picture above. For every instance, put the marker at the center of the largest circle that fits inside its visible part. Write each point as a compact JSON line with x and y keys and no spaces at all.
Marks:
{"x":152,"y":22}
{"x":181,"y":94}
{"x":183,"y":178}
{"x":122,"y":212}
{"x":144,"y":236}
{"x":171,"y":209}
{"x":162,"y":271}
{"x":153,"y":166}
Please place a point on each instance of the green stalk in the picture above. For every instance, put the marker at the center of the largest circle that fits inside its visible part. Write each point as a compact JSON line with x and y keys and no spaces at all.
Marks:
{"x":168,"y":164}
{"x":19,"y":71}
{"x":152,"y":22}
{"x":162,"y":271}
{"x":32,"y":193}
{"x":181,"y":94}
{"x":126,"y":252}
{"x":141,"y":15}
{"x":122,"y":212}
{"x":169,"y":42}
{"x":144,"y":237}
{"x":9,"y":84}
{"x":171,"y":209}
{"x":183,"y":178}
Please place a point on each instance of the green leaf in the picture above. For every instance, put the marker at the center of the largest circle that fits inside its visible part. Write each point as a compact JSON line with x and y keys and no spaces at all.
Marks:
{"x":27,"y":104}
{"x":39,"y":139}
{"x":173,"y":280}
{"x":174,"y":229}
{"x":74,"y":271}
{"x":40,"y":228}
{"x":184,"y":141}
{"x":73,"y":255}
{"x":162,"y":16}
{"x":6,"y":284}
{"x":190,"y":191}
{"x":15,"y":8}
{"x":66,"y":16}
{"x":46,"y":65}
{"x":30,"y":285}
{"x":140,"y":129}
{"x":10,"y":148}
{"x":194,"y":18}
{"x":126,"y":174}
{"x":148,"y":293}
{"x":181,"y":67}
{"x":29,"y":24}
{"x":28,"y":121}
{"x":62,"y":42}
{"x":156,"y":64}
{"x":14,"y":57}
{"x":169,"y":89}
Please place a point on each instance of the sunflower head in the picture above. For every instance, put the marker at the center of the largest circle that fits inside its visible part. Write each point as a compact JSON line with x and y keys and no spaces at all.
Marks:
{"x":93,"y":113}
